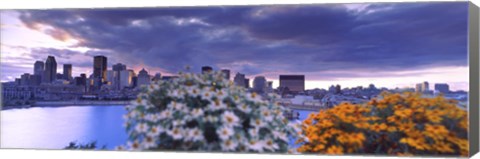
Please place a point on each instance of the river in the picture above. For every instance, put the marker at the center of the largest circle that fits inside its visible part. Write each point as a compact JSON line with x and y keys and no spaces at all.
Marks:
{"x":56,"y":127}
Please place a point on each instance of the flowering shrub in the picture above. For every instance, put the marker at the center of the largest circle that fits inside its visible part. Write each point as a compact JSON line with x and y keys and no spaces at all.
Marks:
{"x":397,"y":124}
{"x":206,"y":112}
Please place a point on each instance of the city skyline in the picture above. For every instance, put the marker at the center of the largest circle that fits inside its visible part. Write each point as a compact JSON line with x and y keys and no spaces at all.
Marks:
{"x":386,"y":44}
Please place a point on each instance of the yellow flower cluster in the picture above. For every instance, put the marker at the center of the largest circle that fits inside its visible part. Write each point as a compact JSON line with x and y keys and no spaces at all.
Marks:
{"x":393,"y":124}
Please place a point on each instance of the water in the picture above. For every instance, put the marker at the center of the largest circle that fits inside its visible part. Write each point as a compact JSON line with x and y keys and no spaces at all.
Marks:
{"x":56,"y":127}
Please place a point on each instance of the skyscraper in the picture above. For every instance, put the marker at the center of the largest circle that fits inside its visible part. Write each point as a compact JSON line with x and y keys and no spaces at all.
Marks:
{"x":38,"y":68}
{"x":100,"y":67}
{"x":295,"y":83}
{"x":67,"y":71}
{"x":259,"y":84}
{"x":442,"y":87}
{"x":226,"y":73}
{"x":143,"y":78}
{"x":239,"y":80}
{"x":117,"y":68}
{"x":125,"y":79}
{"x":50,"y":73}
{"x":206,"y":69}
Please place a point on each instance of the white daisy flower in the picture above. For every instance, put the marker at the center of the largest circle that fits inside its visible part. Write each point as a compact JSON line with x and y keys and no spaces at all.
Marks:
{"x":207,"y":94}
{"x":270,"y":145}
{"x":195,"y":134}
{"x":245,"y":108}
{"x":211,"y":119}
{"x":193,"y":91}
{"x":178,"y":122}
{"x":134,"y":145}
{"x":221,"y":94}
{"x":149,"y":142}
{"x":217,"y":105}
{"x":225,"y":132}
{"x":165,"y":114}
{"x":176,"y":93}
{"x":176,"y":105}
{"x":141,"y":128}
{"x":280,"y":135}
{"x":267,"y":115}
{"x":258,"y":123}
{"x":196,"y":112}
{"x":230,"y":119}
{"x":229,"y":145}
{"x":152,"y":117}
{"x":253,"y":132}
{"x":155,"y":131}
{"x":255,"y":145}
{"x":296,"y":125}
{"x":176,"y":133}
{"x":254,"y":97}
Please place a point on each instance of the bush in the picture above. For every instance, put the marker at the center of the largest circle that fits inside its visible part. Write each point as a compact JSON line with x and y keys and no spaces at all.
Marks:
{"x":206,"y":112}
{"x":397,"y":124}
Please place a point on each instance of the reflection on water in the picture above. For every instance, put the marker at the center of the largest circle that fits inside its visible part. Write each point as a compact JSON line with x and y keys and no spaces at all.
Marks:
{"x":55,"y":127}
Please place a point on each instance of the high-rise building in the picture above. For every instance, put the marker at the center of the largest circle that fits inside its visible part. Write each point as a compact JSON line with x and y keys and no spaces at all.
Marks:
{"x":67,"y":71}
{"x":259,"y":84}
{"x":247,"y":83}
{"x":226,"y":74}
{"x":425,"y":87}
{"x":25,"y":79}
{"x":50,"y":73}
{"x":119,"y":67}
{"x":35,"y":80}
{"x":38,"y":68}
{"x":125,"y":79}
{"x":442,"y":87}
{"x":294,"y":83}
{"x":422,"y":87}
{"x":111,"y":76}
{"x":143,"y":78}
{"x":206,"y":69}
{"x":157,"y":77}
{"x":239,"y":80}
{"x":100,"y":67}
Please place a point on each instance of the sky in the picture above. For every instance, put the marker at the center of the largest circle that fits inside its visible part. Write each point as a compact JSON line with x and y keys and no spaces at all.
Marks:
{"x":387,"y":44}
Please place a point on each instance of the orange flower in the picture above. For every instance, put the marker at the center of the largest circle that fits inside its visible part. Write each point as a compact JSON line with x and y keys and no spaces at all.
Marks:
{"x":378,"y":127}
{"x":335,"y":150}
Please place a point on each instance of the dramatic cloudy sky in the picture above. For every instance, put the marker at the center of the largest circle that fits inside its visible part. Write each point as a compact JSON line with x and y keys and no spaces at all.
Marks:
{"x":388,"y":44}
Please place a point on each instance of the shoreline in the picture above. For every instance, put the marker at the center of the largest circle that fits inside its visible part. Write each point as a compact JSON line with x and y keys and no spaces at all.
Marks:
{"x":42,"y":104}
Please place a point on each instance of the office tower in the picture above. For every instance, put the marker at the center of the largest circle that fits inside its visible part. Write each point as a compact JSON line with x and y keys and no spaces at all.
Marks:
{"x":206,"y":69}
{"x":294,"y":83}
{"x":35,"y":80}
{"x":143,"y":78}
{"x":442,"y":88}
{"x":247,"y":83}
{"x":425,"y":87}
{"x":25,"y":79}
{"x":125,"y":79}
{"x":259,"y":84}
{"x":239,"y":80}
{"x":157,"y":77}
{"x":100,"y":67}
{"x":119,"y":67}
{"x":38,"y":68}
{"x":67,"y":72}
{"x":50,"y":73}
{"x":338,"y":89}
{"x":226,"y":74}
{"x":111,"y":76}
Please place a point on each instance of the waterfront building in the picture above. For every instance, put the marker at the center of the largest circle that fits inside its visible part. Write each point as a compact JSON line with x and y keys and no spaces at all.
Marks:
{"x":25,"y":79}
{"x":119,"y":67}
{"x":295,"y":83}
{"x":67,"y":72}
{"x":422,"y":87}
{"x":157,"y":77}
{"x":50,"y":73}
{"x":239,"y":80}
{"x":247,"y":83}
{"x":259,"y":84}
{"x":38,"y":68}
{"x":125,"y":79}
{"x":226,"y":74}
{"x":99,"y":71}
{"x":35,"y":80}
{"x":206,"y":69}
{"x":143,"y":78}
{"x":442,"y":88}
